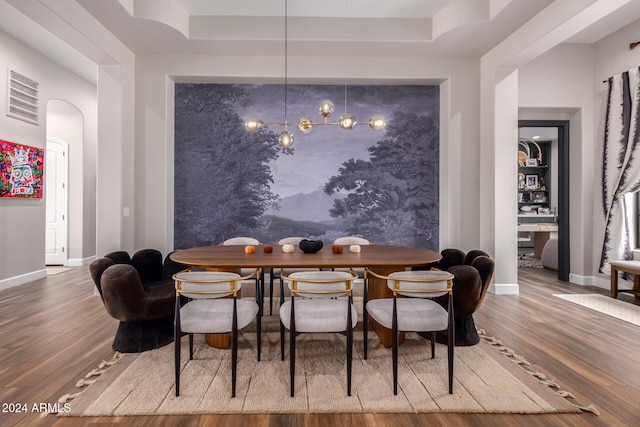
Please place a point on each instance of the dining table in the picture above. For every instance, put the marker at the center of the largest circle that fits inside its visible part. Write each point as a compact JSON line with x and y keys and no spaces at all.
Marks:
{"x":381,"y":259}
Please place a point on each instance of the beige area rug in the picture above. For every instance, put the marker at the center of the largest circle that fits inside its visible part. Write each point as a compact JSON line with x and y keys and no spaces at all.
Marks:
{"x":606,"y":305}
{"x":489,"y":378}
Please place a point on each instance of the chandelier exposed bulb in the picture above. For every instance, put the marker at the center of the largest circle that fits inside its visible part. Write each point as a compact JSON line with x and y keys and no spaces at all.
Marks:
{"x":326,"y":108}
{"x":285,"y":139}
{"x":348,"y":121}
{"x":253,"y":124}
{"x":377,"y":122}
{"x":305,"y":125}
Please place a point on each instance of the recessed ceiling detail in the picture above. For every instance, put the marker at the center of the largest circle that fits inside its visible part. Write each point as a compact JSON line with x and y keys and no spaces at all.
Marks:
{"x":353,"y":22}
{"x":331,"y":28}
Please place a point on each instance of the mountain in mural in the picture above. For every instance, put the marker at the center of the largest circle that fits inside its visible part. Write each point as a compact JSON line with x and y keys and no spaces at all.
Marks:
{"x":312,"y":206}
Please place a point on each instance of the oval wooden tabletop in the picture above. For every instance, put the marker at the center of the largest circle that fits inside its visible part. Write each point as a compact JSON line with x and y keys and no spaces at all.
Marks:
{"x":370,"y":255}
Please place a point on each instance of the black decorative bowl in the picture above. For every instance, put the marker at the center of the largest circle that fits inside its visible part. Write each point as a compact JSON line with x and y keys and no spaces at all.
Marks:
{"x":310,"y":246}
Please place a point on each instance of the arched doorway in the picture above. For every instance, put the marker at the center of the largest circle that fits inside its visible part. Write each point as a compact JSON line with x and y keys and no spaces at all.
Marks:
{"x":63,"y":182}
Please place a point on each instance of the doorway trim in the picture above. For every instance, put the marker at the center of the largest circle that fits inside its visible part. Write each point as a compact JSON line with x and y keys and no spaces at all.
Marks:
{"x":62,"y":197}
{"x":564,"y":265}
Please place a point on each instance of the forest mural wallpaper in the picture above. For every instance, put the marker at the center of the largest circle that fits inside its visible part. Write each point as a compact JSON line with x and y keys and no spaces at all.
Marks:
{"x":381,"y":185}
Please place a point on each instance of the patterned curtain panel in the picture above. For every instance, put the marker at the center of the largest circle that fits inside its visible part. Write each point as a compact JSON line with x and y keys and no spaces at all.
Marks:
{"x":621,"y":165}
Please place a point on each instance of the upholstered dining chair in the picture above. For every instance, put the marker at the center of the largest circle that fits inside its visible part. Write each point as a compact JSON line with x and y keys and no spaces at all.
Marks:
{"x":351,"y":240}
{"x":416,"y":312}
{"x":245,"y":241}
{"x":212,"y":307}
{"x":321,"y":302}
{"x":348,"y":241}
{"x":277,"y":274}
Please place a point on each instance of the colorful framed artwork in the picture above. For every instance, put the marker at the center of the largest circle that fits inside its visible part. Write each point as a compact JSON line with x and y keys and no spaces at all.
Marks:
{"x":21,"y":170}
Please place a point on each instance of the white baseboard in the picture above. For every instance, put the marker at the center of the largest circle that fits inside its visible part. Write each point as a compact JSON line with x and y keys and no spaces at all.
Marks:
{"x":79,"y":262}
{"x":22,"y":279}
{"x":599,"y":282}
{"x":504,"y":288}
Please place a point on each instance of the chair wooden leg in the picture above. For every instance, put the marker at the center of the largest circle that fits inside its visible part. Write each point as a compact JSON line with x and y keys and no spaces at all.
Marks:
{"x":281,"y":325}
{"x":190,"y":346}
{"x":259,"y":334}
{"x":451,"y":342}
{"x":234,"y":348}
{"x":433,"y":345}
{"x":281,"y":341}
{"x":176,"y":342}
{"x":365,"y":322}
{"x":292,"y":349}
{"x":260,"y":295}
{"x":271,"y":292}
{"x":349,"y":346}
{"x":394,"y":338}
{"x":177,"y":362}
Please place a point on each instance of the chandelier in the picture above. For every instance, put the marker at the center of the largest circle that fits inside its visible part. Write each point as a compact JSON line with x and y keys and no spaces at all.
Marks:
{"x":325,"y":110}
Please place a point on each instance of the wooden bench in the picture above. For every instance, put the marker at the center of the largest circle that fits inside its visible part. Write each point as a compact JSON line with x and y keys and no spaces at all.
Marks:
{"x":632,"y":267}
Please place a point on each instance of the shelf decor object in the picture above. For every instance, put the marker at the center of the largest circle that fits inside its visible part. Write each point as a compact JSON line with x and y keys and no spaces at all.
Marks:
{"x":538,"y":159}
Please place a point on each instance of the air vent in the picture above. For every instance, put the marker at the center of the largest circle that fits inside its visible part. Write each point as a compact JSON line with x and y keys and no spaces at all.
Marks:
{"x":22,"y":102}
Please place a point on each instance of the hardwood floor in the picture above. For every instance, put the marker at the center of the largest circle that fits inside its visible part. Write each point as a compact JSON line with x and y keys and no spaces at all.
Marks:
{"x":55,"y":330}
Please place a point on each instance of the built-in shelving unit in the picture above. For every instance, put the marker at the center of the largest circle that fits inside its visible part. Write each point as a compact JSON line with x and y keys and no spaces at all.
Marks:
{"x":534,"y":193}
{"x":534,"y":185}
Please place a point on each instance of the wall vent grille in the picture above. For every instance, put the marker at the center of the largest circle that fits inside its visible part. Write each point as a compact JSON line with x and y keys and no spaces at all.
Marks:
{"x":22,"y":102}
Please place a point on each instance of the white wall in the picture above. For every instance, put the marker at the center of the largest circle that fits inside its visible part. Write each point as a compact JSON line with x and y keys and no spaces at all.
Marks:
{"x":558,"y":85}
{"x":459,"y":119}
{"x":22,"y":221}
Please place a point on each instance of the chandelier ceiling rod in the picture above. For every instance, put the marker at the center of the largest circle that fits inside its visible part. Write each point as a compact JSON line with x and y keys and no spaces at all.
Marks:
{"x":286,"y":56}
{"x":325,"y":109}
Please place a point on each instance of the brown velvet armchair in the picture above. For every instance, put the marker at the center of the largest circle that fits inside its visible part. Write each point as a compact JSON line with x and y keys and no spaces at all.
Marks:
{"x":140,"y":292}
{"x":473,"y":273}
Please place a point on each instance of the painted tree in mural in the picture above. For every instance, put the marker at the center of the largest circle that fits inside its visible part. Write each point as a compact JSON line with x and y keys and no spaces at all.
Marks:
{"x":224,"y":170}
{"x":394,"y":195}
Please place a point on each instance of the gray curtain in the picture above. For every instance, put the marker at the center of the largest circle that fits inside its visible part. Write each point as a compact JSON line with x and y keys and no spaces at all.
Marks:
{"x":620,"y":166}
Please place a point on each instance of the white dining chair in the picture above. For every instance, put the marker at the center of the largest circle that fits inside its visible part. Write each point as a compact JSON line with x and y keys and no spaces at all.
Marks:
{"x":348,"y":241}
{"x":277,"y":273}
{"x":415,"y":311}
{"x":213,"y":306}
{"x":321,"y":302}
{"x":259,"y":280}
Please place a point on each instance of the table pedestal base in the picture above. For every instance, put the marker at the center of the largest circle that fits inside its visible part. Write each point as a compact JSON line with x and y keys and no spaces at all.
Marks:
{"x":218,"y":340}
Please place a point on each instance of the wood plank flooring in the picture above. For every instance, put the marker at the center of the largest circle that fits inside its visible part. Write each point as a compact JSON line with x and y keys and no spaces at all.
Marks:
{"x":55,"y":330}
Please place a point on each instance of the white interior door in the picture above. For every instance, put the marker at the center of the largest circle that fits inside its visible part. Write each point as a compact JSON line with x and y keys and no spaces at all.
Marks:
{"x":55,"y":181}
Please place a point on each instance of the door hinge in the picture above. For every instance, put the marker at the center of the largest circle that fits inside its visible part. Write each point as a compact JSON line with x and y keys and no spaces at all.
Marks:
{"x":63,"y":249}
